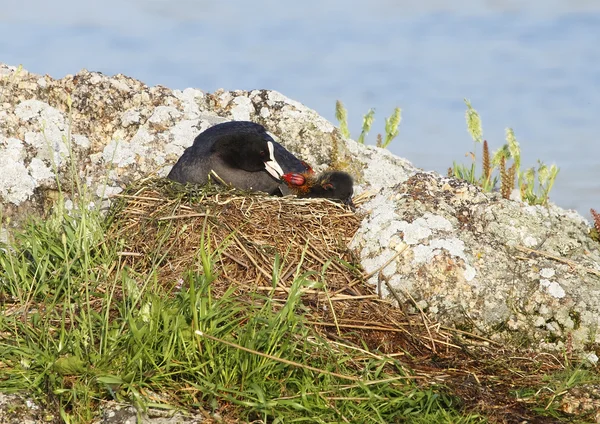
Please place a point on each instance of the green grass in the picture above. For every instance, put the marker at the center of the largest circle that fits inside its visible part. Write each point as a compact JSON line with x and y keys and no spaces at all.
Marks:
{"x":558,"y":384}
{"x":77,"y":327}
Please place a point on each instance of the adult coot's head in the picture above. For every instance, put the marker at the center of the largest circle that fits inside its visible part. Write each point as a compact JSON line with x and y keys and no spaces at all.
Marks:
{"x":245,"y":145}
{"x":330,"y":184}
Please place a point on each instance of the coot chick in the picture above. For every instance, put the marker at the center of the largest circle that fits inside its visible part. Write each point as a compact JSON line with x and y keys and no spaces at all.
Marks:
{"x":335,"y":185}
{"x":241,"y":154}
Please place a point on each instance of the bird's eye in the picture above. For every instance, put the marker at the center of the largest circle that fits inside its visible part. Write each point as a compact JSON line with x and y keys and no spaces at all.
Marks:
{"x":262,"y":153}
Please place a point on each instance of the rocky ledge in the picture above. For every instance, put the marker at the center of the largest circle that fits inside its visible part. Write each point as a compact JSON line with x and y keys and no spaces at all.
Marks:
{"x":469,"y":259}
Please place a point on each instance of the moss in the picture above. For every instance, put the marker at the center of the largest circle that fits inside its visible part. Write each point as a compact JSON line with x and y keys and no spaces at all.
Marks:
{"x":500,"y":327}
{"x":591,"y":344}
{"x":576,"y":317}
{"x":554,"y":337}
{"x":465,"y":326}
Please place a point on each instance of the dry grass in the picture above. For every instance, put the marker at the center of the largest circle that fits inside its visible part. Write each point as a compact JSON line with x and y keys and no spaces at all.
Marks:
{"x":249,"y":231}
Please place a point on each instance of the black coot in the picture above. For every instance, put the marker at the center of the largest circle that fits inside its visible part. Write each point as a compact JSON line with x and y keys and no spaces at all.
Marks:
{"x":241,"y":154}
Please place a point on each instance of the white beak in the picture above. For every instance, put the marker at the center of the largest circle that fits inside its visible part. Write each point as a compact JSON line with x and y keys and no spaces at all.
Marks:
{"x":271,"y":165}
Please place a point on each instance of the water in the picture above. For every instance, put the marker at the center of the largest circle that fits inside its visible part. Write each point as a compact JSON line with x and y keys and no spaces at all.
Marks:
{"x":535,"y":68}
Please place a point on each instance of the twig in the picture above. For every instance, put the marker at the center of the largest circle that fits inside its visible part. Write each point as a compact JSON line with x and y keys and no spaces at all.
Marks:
{"x":130,"y":254}
{"x":357,"y":327}
{"x":569,"y":262}
{"x":389,"y":261}
{"x":130,"y":196}
{"x":240,"y":244}
{"x":219,"y":179}
{"x":191,"y":215}
{"x":423,"y":316}
{"x":234,"y":259}
{"x":275,"y":358}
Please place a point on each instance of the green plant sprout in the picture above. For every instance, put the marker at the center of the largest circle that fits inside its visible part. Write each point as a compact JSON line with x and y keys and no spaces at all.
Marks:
{"x":391,"y":125}
{"x":496,"y":169}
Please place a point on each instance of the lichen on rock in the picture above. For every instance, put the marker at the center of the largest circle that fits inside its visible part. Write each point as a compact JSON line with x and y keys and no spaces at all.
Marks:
{"x":468,"y":259}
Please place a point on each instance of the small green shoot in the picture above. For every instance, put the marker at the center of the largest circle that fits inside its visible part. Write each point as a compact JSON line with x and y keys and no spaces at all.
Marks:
{"x":496,"y":170}
{"x":366,"y":127}
{"x":341,"y":114}
{"x":391,"y":125}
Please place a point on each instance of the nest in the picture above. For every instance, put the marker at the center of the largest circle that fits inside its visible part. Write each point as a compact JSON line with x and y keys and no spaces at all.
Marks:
{"x":260,"y":243}
{"x":251,"y":236}
{"x":263,"y":243}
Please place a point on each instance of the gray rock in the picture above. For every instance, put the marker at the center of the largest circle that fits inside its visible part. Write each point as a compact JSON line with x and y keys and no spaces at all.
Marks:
{"x":483,"y":263}
{"x":467,"y":258}
{"x":20,"y":409}
{"x":113,"y":413}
